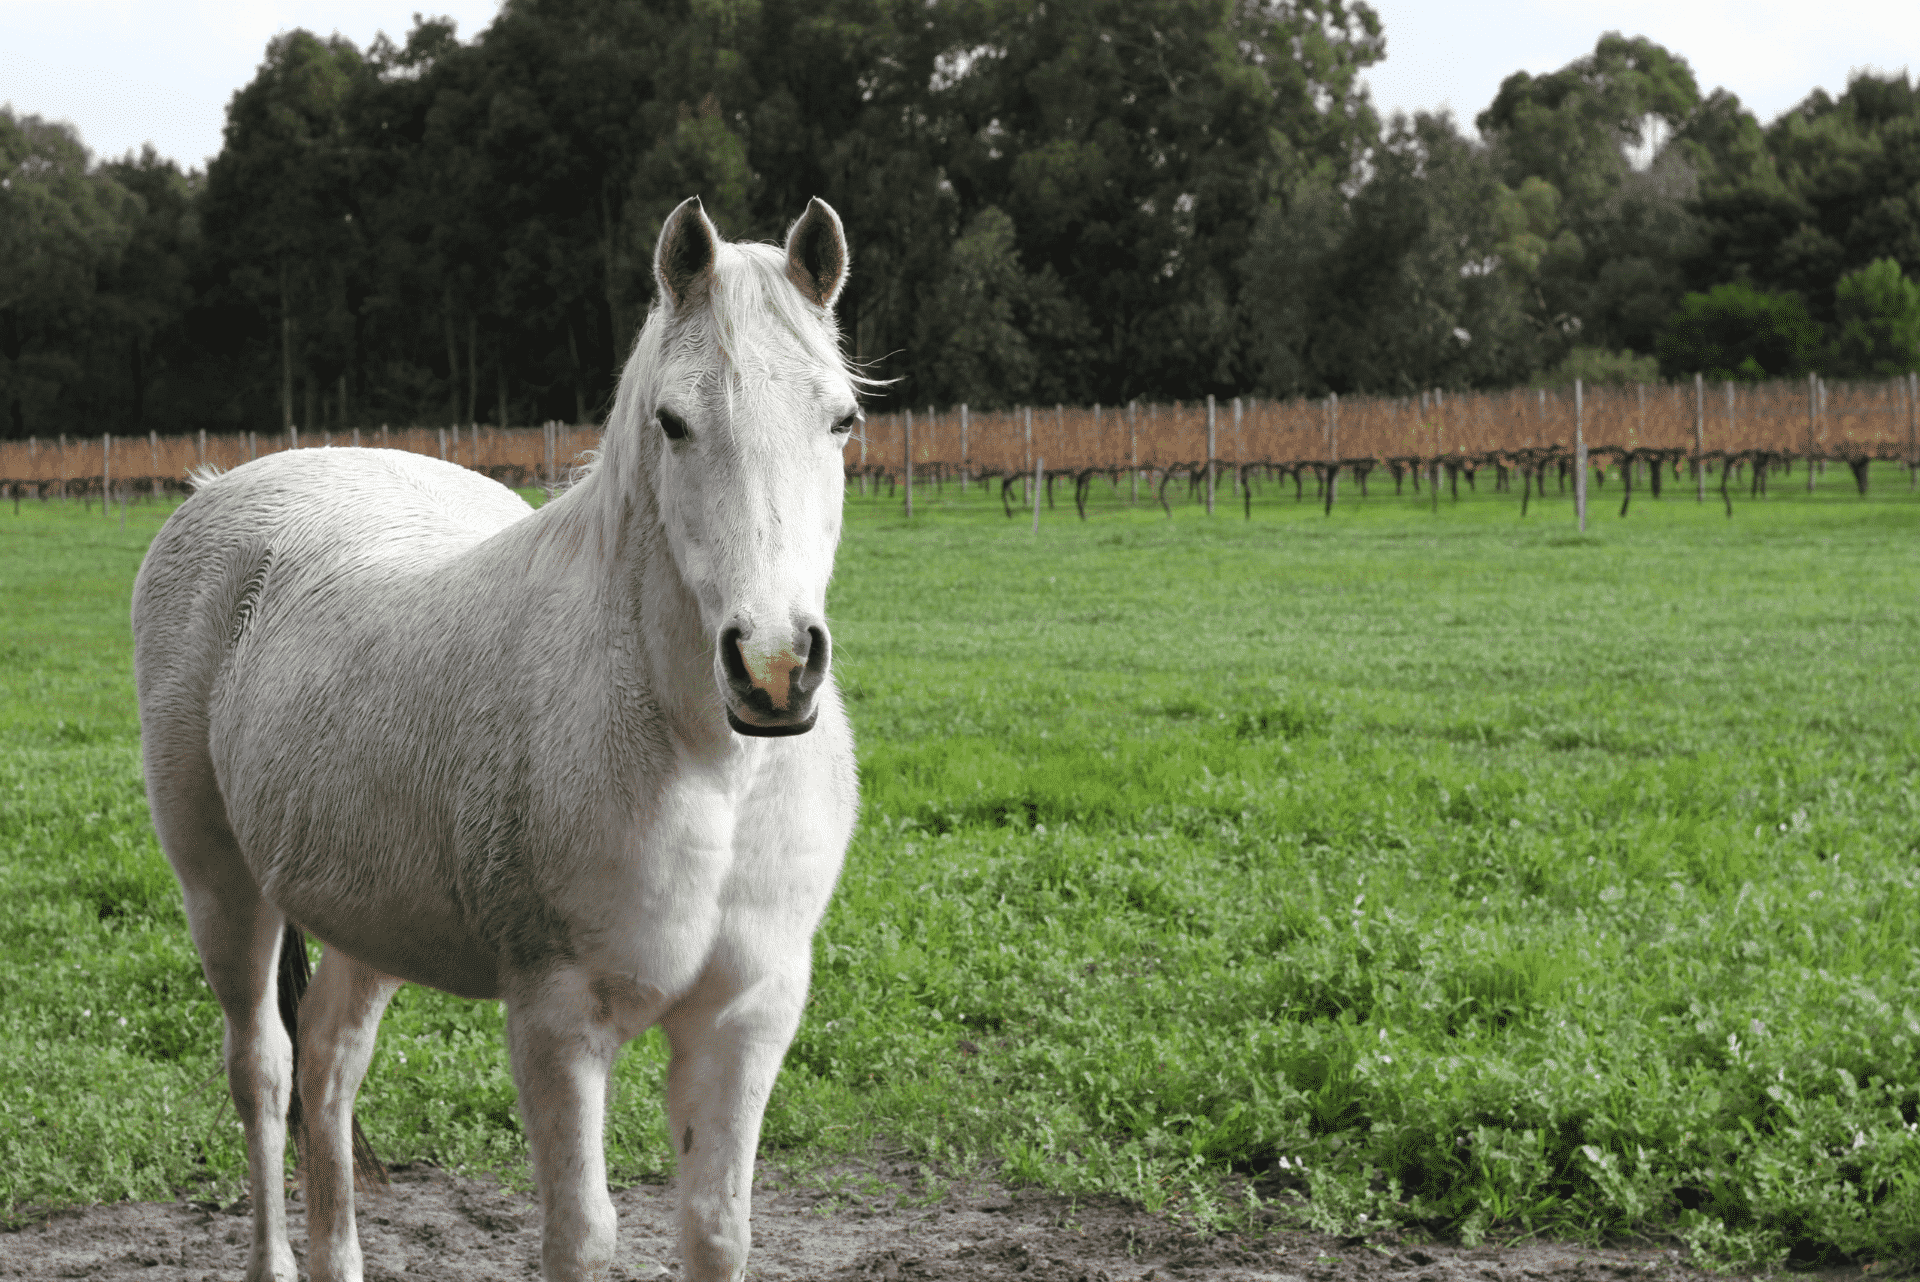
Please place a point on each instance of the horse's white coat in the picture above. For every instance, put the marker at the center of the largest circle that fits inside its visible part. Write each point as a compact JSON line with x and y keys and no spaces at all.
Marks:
{"x":475,"y":746}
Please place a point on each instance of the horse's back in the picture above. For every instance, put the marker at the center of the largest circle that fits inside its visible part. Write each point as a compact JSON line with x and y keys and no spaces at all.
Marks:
{"x":304,"y":511}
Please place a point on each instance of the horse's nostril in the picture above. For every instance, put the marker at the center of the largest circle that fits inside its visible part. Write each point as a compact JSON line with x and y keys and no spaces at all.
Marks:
{"x":815,"y":649}
{"x":731,"y":660}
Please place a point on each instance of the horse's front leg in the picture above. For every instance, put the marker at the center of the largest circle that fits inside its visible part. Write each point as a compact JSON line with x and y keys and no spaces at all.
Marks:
{"x":728,"y":1036}
{"x":562,"y":1056}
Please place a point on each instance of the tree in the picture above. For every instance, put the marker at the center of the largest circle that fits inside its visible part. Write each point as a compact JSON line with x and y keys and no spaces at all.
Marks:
{"x":1735,"y":331}
{"x":1571,"y":126}
{"x":1134,"y":149}
{"x":1878,"y":310}
{"x":972,"y":319}
{"x":63,"y":225}
{"x":1399,"y":286}
{"x":1597,"y":367}
{"x":1838,"y":187}
{"x":280,"y":213}
{"x":148,"y":297}
{"x":1627,"y":231}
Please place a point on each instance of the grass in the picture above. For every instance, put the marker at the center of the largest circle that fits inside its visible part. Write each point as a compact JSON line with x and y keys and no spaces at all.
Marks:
{"x":1458,"y":872}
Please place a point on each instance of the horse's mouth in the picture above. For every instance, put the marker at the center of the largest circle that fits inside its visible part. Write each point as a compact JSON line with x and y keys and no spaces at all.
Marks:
{"x":776,"y":730}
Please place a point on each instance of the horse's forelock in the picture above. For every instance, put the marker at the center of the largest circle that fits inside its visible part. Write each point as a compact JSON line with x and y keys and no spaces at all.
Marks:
{"x":765,"y":332}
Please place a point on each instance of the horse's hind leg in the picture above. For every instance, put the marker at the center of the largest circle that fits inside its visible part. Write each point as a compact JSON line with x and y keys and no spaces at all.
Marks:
{"x":338,"y":1021}
{"x":238,"y":935}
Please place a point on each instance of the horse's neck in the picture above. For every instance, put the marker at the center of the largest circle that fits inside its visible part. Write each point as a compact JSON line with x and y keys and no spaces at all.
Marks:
{"x":619,"y":597}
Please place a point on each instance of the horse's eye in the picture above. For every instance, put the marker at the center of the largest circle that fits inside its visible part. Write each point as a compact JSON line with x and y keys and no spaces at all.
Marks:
{"x":672,"y":424}
{"x":845,"y":425}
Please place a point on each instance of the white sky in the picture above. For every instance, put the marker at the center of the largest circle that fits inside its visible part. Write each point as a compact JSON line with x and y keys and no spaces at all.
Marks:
{"x":1772,"y":53}
{"x":161,"y":71}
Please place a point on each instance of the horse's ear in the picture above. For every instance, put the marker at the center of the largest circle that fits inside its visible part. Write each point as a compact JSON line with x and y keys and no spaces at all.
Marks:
{"x":683,"y":261}
{"x":817,"y":254}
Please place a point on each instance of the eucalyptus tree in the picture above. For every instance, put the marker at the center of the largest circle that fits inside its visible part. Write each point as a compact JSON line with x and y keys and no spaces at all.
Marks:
{"x":62,"y":225}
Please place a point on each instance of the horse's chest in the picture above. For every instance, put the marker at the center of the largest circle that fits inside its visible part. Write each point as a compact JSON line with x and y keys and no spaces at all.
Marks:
{"x":713,"y":861}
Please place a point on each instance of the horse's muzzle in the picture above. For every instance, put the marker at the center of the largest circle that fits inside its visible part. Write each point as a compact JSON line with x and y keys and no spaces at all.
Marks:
{"x":771,"y":680}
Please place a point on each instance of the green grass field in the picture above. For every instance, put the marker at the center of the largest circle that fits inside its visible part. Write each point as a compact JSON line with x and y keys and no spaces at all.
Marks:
{"x":1458,"y":871}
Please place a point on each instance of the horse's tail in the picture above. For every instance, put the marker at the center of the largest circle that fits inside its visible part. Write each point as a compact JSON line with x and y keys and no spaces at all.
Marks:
{"x":369,"y":1172}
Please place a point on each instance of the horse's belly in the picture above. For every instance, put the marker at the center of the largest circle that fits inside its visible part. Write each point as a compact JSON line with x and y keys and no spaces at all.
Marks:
{"x":421,"y":947}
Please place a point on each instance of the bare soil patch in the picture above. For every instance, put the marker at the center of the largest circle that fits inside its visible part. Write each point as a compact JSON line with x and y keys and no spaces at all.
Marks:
{"x":434,"y":1224}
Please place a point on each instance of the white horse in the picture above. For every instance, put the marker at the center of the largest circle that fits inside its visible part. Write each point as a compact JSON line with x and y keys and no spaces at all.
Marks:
{"x":589,"y":760}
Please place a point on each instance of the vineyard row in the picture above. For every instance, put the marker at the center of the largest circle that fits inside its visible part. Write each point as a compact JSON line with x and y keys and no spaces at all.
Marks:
{"x":1641,"y":431}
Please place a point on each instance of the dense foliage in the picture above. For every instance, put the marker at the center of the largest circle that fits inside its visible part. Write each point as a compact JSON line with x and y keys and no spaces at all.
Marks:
{"x":1088,"y":200}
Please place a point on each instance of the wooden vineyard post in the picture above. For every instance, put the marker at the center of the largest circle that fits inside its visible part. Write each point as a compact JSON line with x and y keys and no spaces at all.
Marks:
{"x":1099,"y":445}
{"x":443,"y":444}
{"x":1239,"y":448}
{"x":356,"y":438}
{"x":63,"y":467}
{"x":106,"y":474}
{"x":1820,"y":384}
{"x":1028,"y":459}
{"x":455,"y":456}
{"x":1133,"y":451}
{"x":1699,"y":438}
{"x":1433,"y":471}
{"x":863,"y":457}
{"x":933,"y":445}
{"x":1813,"y":401}
{"x":907,"y":444}
{"x":1731,"y":438}
{"x":203,"y":447}
{"x":1039,"y":471}
{"x":253,"y":445}
{"x":1210,"y":453}
{"x":1913,"y":427}
{"x":386,"y":440}
{"x":1579,"y":457}
{"x":1333,"y":448}
{"x":963,"y":447}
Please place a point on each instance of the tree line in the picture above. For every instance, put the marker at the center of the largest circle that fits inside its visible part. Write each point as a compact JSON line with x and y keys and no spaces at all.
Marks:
{"x":1088,"y":200}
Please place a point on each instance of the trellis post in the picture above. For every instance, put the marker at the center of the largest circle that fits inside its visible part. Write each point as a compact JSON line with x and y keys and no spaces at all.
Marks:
{"x":1579,"y":456}
{"x":907,"y":442}
{"x":1210,"y":430}
{"x":1731,"y":438}
{"x":1699,"y":438}
{"x":1813,"y":399}
{"x":1239,"y":447}
{"x":1333,"y":448}
{"x":963,"y":447}
{"x":1133,"y":450}
{"x":1913,"y":428}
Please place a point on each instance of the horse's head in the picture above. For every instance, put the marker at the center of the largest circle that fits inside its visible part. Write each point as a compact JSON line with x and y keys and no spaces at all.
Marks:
{"x":748,"y":405}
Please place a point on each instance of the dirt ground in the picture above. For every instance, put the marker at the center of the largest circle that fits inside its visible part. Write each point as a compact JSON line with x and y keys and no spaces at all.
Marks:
{"x":434,"y":1224}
